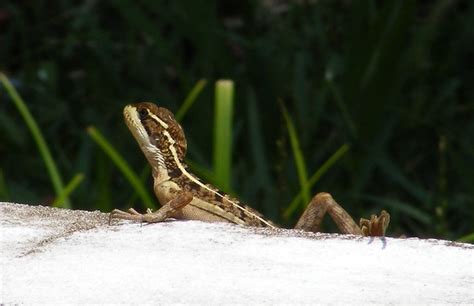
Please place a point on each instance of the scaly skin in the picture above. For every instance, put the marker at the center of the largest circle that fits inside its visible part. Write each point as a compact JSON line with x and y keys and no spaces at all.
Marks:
{"x":184,"y":196}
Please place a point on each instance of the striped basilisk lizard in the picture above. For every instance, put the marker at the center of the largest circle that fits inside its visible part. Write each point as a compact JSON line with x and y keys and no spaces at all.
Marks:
{"x":184,"y":196}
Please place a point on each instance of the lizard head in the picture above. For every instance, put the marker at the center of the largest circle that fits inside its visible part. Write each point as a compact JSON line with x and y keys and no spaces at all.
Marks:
{"x":158,"y":134}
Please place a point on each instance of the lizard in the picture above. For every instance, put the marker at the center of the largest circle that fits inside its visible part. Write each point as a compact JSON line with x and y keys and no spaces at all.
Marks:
{"x":183,"y":195}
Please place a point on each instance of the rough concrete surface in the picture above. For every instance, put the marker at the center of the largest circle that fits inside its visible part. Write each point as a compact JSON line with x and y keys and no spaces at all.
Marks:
{"x":53,"y":255}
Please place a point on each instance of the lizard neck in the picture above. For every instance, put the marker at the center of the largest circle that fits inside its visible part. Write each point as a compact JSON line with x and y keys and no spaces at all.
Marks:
{"x":158,"y":167}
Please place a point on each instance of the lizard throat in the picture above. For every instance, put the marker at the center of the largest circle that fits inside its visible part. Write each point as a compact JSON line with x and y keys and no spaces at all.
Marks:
{"x":152,"y":153}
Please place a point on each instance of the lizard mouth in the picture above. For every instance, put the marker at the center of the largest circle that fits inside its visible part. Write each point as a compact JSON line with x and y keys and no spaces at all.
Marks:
{"x":135,"y":126}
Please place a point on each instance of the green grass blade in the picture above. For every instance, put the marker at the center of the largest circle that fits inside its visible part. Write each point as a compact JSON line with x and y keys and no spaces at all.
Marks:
{"x":261,"y":168}
{"x":392,"y":171}
{"x":408,"y":210}
{"x":103,"y":183}
{"x":467,"y":238}
{"x":189,"y":101}
{"x":38,"y":138}
{"x":123,"y":166}
{"x":346,"y":116}
{"x":298,"y":155}
{"x":144,"y":175}
{"x":201,"y":171}
{"x":75,"y":181}
{"x":224,"y":96}
{"x":4,"y":193}
{"x":296,"y":202}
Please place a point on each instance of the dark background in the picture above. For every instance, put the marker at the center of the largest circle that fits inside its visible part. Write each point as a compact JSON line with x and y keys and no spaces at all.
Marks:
{"x":391,"y":78}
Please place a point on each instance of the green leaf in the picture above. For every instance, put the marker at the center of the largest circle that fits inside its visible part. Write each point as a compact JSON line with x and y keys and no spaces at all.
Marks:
{"x":297,"y":200}
{"x":4,"y":193}
{"x":346,"y":116}
{"x":123,"y":166}
{"x":38,"y":138}
{"x":467,"y":238}
{"x":298,"y":155}
{"x":394,"y":172}
{"x":224,"y":96}
{"x":201,"y":171}
{"x":189,"y":101}
{"x":75,"y":181}
{"x":409,"y":210}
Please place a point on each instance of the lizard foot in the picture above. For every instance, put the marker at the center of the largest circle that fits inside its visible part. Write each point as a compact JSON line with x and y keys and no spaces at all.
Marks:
{"x":130,"y":214}
{"x":166,"y":211}
{"x":376,"y":226}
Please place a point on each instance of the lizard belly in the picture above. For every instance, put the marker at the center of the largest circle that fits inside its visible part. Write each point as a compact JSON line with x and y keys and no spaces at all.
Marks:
{"x":208,"y":212}
{"x":196,"y":210}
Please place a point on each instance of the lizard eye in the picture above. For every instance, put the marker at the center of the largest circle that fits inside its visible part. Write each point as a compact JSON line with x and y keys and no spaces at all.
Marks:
{"x":143,"y":113}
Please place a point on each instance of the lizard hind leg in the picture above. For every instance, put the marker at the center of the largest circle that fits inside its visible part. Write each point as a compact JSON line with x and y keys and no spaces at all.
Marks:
{"x":170,"y":209}
{"x":321,"y":204}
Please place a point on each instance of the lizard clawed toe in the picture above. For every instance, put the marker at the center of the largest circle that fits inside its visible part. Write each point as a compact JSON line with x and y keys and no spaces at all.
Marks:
{"x":133,"y":211}
{"x":376,"y":226}
{"x":131,"y":214}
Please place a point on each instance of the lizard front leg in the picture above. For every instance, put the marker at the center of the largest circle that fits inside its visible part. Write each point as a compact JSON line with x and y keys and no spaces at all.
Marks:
{"x":170,"y":209}
{"x":324,"y":202}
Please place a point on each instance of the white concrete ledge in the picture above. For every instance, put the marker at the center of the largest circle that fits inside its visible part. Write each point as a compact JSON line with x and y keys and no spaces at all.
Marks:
{"x":57,"y":256}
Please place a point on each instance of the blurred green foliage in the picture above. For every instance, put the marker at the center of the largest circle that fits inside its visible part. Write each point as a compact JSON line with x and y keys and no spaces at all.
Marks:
{"x":393,"y":79}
